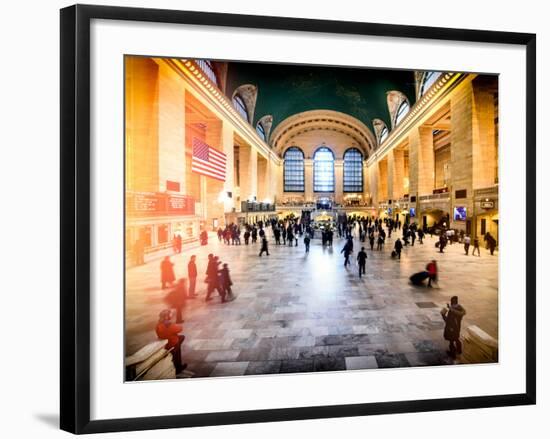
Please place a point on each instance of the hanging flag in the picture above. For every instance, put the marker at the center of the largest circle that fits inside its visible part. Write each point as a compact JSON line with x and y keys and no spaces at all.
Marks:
{"x":207,"y":160}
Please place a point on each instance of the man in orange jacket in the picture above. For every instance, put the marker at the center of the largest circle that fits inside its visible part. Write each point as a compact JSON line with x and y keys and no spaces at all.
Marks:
{"x":166,"y":330}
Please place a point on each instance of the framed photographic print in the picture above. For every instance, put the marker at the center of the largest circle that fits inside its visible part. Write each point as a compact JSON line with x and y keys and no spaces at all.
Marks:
{"x":284,"y":218}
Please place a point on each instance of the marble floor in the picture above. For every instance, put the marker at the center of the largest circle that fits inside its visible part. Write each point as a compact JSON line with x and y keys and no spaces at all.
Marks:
{"x":297,"y":312}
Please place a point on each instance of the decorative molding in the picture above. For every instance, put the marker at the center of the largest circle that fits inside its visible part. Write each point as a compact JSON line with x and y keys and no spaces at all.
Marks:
{"x":249,"y":94}
{"x":318,"y":120}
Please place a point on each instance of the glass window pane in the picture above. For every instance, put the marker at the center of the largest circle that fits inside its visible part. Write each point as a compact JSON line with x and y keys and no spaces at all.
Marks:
{"x":353,"y":171}
{"x":402,"y":112}
{"x":294,"y":170}
{"x":323,"y":170}
{"x":239,"y":105}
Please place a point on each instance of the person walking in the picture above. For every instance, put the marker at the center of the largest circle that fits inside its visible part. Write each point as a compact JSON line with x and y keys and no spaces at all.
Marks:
{"x":371,"y":240}
{"x":467,"y":244}
{"x":264,"y":247}
{"x":225,"y":283}
{"x":306,"y":242}
{"x":362,"y":261}
{"x":420,"y":236}
{"x":398,"y":246}
{"x":176,"y":299}
{"x":431,"y":268}
{"x":452,"y":315}
{"x":442,"y":242}
{"x":212,"y":278}
{"x":476,"y":247}
{"x":347,"y":252}
{"x":167,"y":275}
{"x":192,"y":276}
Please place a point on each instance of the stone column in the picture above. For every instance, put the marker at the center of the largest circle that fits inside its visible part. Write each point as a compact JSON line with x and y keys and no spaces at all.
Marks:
{"x":462,"y":138}
{"x":396,"y":174}
{"x":171,"y":128}
{"x":262,"y":178}
{"x":421,"y":161}
{"x":383,"y":180}
{"x":484,"y":148}
{"x":248,"y":158}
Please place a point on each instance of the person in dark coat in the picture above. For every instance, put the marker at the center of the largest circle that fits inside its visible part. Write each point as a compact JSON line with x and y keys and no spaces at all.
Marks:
{"x":212,"y":278}
{"x":192,"y":275}
{"x":306,"y":242}
{"x":371,"y":241}
{"x":362,"y":261}
{"x":452,"y":316}
{"x":225,"y":281}
{"x":246,"y":236}
{"x":420,"y":236}
{"x":167,"y":275}
{"x":442,"y":242}
{"x":264,"y":247}
{"x":398,"y":246}
{"x":347,"y":252}
{"x":491,"y":242}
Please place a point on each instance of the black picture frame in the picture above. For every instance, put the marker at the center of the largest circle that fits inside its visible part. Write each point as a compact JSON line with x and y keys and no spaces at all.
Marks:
{"x":75,"y":217}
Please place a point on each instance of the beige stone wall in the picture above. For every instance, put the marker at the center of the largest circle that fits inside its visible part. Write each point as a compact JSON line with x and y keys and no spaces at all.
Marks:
{"x":142,"y":124}
{"x":171,"y":128}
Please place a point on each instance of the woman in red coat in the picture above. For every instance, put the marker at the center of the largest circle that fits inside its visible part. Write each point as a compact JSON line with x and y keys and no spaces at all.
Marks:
{"x":431,"y":268}
{"x":167,"y":272}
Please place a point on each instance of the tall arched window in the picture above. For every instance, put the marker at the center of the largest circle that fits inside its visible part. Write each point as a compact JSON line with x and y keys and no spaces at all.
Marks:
{"x":261,"y":131}
{"x":383,"y":134}
{"x":293,"y":170}
{"x":240,"y":106}
{"x":353,"y":170}
{"x":323,"y":170}
{"x":208,"y":69}
{"x":428,"y":80}
{"x":402,"y":112}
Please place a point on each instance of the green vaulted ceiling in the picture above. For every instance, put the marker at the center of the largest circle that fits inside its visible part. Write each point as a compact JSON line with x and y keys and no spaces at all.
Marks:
{"x":284,"y":89}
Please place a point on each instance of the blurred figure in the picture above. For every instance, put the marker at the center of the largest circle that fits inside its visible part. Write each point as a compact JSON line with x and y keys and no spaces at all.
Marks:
{"x":306,"y":242}
{"x":264,"y":247}
{"x":167,"y":275}
{"x":225,"y":282}
{"x":476,"y":247}
{"x":398,"y":246}
{"x":176,"y":299}
{"x":362,"y":261}
{"x":192,"y":275}
{"x":467,"y":244}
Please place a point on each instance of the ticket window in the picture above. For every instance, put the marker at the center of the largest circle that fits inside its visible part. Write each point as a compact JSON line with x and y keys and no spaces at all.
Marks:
{"x":162,"y":234}
{"x":145,"y":234}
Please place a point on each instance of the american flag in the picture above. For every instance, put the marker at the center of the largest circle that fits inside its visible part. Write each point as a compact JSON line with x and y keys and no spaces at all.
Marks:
{"x":207,"y":160}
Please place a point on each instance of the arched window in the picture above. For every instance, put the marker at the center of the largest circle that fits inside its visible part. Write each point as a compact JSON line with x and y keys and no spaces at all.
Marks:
{"x":402,"y":112}
{"x":240,"y":106}
{"x":261,"y":131}
{"x":323,"y":170}
{"x":383,"y":135}
{"x":293,"y":170}
{"x":353,"y":170}
{"x":208,"y":68}
{"x":428,"y":80}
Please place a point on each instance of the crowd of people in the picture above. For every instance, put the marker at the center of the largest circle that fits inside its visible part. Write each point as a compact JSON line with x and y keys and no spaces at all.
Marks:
{"x":369,"y":231}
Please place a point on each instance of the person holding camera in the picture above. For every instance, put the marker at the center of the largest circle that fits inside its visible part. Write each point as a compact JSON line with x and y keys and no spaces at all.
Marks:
{"x":452,"y":315}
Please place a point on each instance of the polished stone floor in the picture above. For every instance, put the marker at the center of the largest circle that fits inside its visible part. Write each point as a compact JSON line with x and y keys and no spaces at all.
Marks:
{"x":302,"y":313}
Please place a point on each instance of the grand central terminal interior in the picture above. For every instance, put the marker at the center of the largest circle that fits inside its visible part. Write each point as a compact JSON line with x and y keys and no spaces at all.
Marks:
{"x":251,"y":190}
